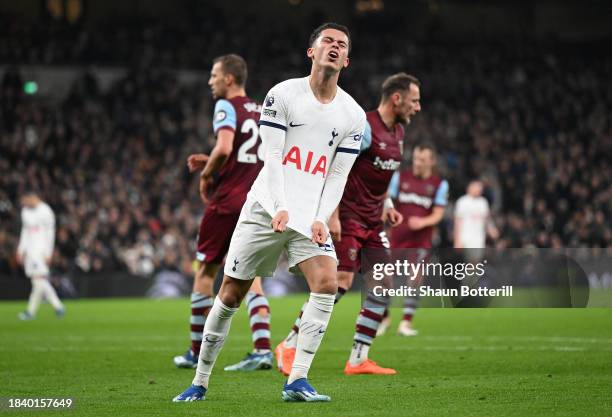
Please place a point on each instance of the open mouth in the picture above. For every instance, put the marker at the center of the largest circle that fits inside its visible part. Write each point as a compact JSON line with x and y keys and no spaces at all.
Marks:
{"x":333,"y":55}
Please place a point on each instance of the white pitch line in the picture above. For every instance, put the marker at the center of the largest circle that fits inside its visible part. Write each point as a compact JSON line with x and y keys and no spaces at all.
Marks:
{"x":545,"y":339}
{"x":407,"y":347}
{"x":241,"y":337}
{"x":498,"y":348}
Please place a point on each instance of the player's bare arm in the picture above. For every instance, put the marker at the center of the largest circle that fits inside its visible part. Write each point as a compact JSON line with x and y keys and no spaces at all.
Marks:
{"x":417,"y":223}
{"x":218,"y":156}
{"x":220,"y":153}
{"x":335,"y":228}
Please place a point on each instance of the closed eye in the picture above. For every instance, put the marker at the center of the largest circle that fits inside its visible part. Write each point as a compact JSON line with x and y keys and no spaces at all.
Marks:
{"x":329,"y":39}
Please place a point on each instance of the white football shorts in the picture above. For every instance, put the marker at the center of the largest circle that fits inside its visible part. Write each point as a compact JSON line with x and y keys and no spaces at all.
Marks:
{"x":35,"y":266}
{"x":255,"y":248}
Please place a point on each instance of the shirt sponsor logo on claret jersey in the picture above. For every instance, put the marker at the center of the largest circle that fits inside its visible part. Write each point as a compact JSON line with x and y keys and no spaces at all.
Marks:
{"x":252,"y":107}
{"x":412,"y":198}
{"x":388,"y":165}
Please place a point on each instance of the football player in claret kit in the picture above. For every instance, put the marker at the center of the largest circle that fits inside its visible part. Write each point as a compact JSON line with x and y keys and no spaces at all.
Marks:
{"x":421,"y":196}
{"x":236,"y":161}
{"x":359,"y":221}
{"x":311,"y":131}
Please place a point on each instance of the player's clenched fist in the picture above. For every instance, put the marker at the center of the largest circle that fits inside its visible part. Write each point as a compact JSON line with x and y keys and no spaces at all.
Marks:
{"x":280,"y":220}
{"x":319,"y":233}
{"x":196,"y":161}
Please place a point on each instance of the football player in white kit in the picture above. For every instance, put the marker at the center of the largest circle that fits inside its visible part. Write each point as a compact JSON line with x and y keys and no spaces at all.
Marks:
{"x":311,"y":132}
{"x":35,"y":250}
{"x":473,"y":222}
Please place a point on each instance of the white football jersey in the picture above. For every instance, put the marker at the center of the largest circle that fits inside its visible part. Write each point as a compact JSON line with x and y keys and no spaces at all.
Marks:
{"x":37,"y":231}
{"x":473,"y":212}
{"x":315,"y":134}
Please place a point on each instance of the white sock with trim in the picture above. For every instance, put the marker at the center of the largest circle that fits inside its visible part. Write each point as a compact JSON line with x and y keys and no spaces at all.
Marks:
{"x":215,"y":331}
{"x":312,"y":329}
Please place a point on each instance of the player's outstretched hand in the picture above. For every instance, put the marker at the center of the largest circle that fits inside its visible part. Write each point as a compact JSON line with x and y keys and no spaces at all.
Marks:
{"x":196,"y":161}
{"x":319,"y":233}
{"x":280,"y":220}
{"x":393,"y":216}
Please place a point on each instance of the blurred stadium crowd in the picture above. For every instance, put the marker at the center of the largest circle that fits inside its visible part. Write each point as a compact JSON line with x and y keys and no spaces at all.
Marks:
{"x":532,"y":120}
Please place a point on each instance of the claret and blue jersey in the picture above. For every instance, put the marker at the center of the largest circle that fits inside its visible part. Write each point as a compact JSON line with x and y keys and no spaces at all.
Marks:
{"x":380,"y":155}
{"x":416,"y":197}
{"x":240,"y":115}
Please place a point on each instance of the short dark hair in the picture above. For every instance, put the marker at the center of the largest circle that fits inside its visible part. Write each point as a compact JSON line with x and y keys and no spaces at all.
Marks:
{"x":398,"y":82}
{"x":424,"y":145}
{"x":30,"y":191}
{"x":330,"y":25}
{"x":235,"y":65}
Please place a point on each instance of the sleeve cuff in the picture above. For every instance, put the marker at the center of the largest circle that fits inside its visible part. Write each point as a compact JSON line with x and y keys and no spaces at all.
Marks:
{"x":231,"y":129}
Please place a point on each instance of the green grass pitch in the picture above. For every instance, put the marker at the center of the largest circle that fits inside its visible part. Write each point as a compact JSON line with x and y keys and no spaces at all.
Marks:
{"x":114,"y":357}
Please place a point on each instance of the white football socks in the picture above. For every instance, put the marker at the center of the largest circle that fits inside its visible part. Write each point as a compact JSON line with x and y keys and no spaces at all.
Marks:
{"x":312,"y":328}
{"x":42,"y":288}
{"x":36,"y":295}
{"x":51,"y":295}
{"x":215,"y":331}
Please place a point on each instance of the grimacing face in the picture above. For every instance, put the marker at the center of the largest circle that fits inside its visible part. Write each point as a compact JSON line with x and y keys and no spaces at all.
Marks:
{"x":330,"y":50}
{"x":423,"y":161}
{"x":218,"y":81}
{"x":407,"y":104}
